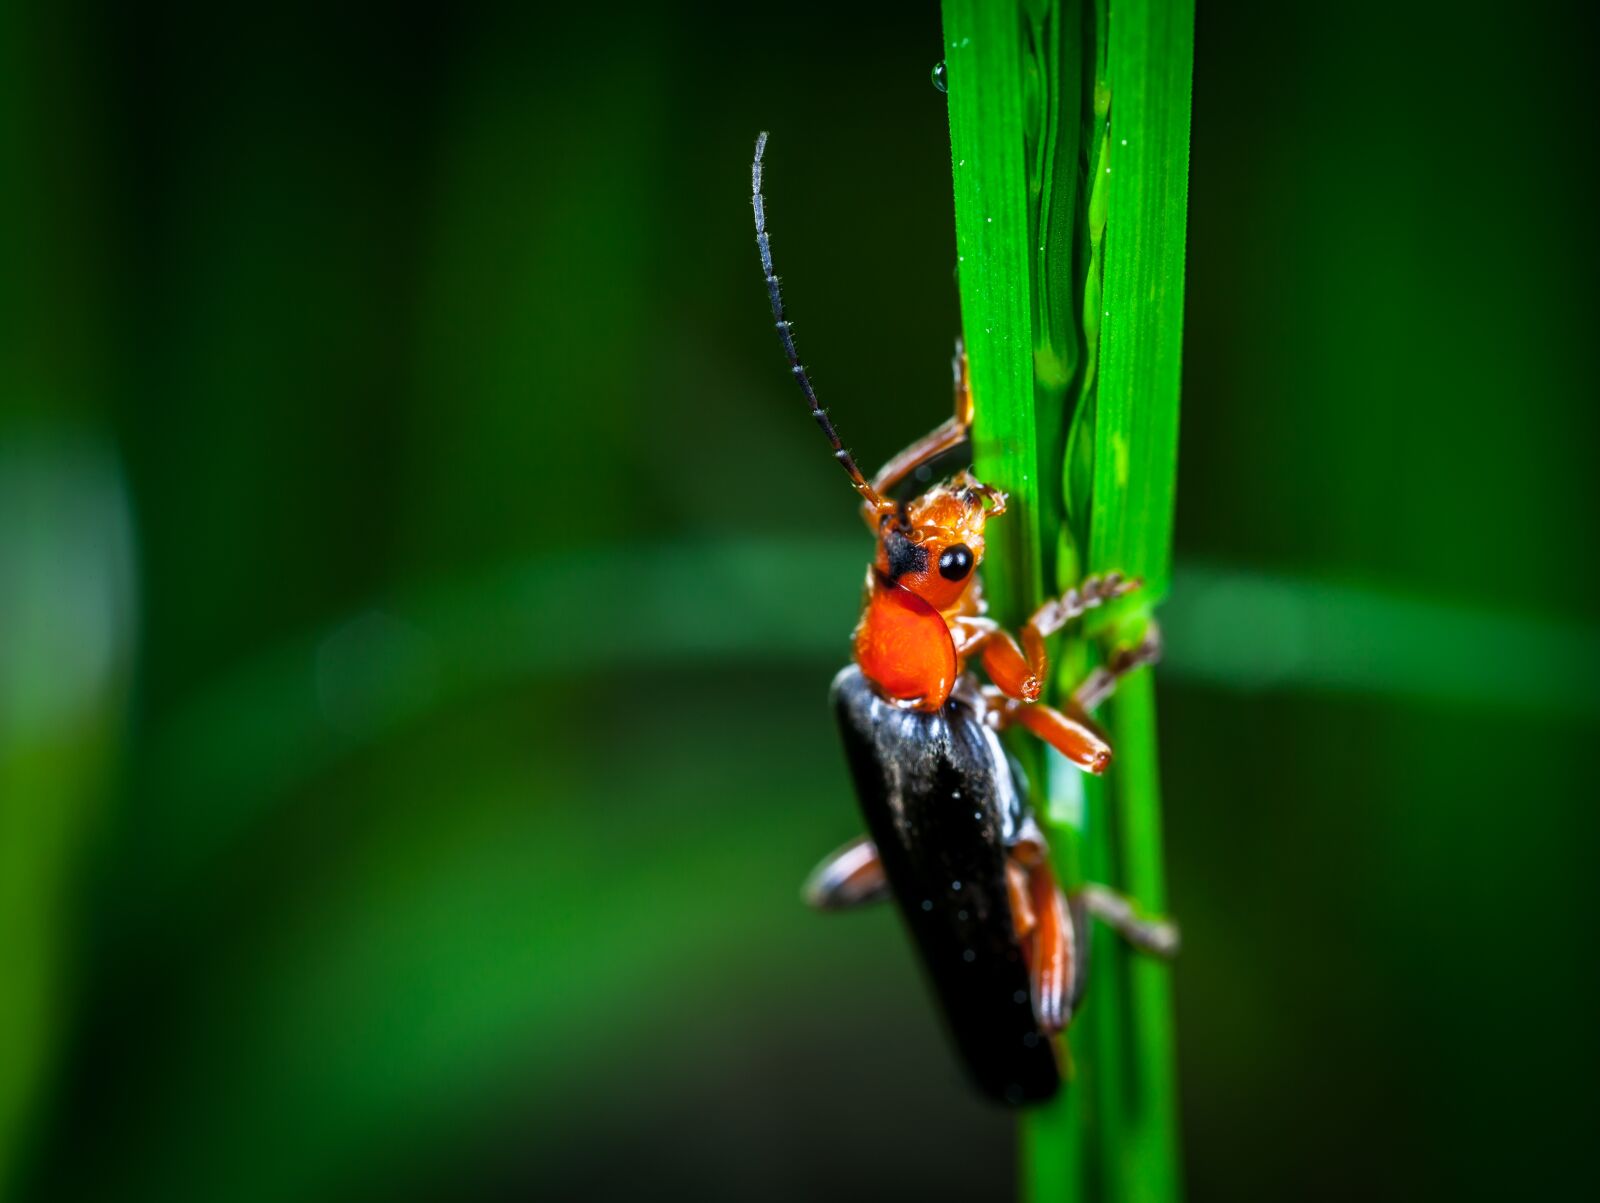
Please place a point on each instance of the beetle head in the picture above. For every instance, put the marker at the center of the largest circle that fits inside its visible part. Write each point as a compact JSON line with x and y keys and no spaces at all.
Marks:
{"x":934,"y":544}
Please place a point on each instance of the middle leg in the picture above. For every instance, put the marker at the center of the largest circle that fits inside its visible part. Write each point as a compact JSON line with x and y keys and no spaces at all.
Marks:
{"x":1059,"y":611}
{"x":847,"y":877}
{"x":1020,"y":671}
{"x":1073,"y":737}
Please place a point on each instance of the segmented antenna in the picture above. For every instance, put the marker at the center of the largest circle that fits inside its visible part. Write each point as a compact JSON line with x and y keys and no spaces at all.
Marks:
{"x":786,"y":333}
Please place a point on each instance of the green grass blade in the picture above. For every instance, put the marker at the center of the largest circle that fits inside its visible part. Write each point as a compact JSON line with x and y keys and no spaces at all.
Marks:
{"x":1150,"y":66}
{"x":1039,"y":92}
{"x":984,"y":63}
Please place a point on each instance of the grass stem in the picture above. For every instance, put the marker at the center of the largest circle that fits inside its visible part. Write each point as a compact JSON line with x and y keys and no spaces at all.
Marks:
{"x":1069,"y":126}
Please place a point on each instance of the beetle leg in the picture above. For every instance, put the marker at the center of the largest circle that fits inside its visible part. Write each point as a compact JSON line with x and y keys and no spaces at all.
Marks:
{"x":1050,"y":944}
{"x":1099,"y":684}
{"x":1008,"y":668}
{"x":942,"y":438}
{"x":1059,"y":611}
{"x":963,"y":383}
{"x":1158,"y":937}
{"x":1053,"y":949}
{"x":1020,"y":670}
{"x":971,"y":633}
{"x":1072,"y":737}
{"x":1022,"y":917}
{"x":1002,"y":658}
{"x":846,"y":877}
{"x":945,"y":437}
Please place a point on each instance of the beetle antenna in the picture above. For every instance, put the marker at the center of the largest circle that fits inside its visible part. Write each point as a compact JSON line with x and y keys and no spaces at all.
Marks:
{"x":786,"y":333}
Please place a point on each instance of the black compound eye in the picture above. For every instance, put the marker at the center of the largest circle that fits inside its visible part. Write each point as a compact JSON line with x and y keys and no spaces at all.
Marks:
{"x":956,"y":562}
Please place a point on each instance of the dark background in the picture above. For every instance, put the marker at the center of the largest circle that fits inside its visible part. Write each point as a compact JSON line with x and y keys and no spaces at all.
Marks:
{"x":421,"y":584}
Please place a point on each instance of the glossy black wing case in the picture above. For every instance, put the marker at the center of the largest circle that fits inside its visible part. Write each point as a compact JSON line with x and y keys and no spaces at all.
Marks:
{"x":942,"y":805}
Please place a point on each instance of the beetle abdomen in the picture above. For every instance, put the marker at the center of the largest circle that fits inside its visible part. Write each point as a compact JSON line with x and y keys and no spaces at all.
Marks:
{"x":941,"y":804}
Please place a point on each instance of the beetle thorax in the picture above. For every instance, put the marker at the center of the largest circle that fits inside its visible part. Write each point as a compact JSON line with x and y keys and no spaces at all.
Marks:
{"x":924,"y":576}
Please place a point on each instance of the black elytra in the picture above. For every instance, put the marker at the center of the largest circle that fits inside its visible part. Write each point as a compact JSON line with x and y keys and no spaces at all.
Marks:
{"x":943,"y":806}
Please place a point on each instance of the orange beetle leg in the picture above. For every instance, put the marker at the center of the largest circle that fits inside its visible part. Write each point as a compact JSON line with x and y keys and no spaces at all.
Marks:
{"x":848,"y":876}
{"x":1004,"y":662}
{"x":964,"y":407}
{"x":1075,"y":740}
{"x":945,"y":437}
{"x":1022,"y":916}
{"x":1059,"y":611}
{"x":1050,"y":950}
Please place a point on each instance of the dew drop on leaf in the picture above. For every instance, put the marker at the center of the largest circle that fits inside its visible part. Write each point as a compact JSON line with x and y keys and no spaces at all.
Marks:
{"x":938,"y":76}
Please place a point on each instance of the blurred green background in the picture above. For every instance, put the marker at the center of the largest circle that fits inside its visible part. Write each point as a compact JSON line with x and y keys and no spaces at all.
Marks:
{"x":419,"y":585}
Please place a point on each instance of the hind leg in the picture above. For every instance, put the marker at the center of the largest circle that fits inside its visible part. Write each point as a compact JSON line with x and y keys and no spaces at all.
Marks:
{"x":1046,"y":931}
{"x":1053,"y":929}
{"x":846,"y":877}
{"x":1158,"y":937}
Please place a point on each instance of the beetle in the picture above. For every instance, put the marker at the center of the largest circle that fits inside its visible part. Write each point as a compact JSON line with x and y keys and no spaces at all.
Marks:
{"x":950,"y":833}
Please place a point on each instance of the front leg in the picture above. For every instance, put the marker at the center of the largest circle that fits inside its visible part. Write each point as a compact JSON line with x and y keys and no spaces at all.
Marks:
{"x":1059,"y":611}
{"x":1002,"y":658}
{"x":947,"y":436}
{"x":1020,"y":671}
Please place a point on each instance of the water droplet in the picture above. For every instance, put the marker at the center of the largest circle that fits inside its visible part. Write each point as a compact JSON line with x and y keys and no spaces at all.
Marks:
{"x":961,"y":915}
{"x":1030,"y":1040}
{"x":969,"y":956}
{"x":938,"y":76}
{"x":955,"y":885}
{"x":1021,"y":996}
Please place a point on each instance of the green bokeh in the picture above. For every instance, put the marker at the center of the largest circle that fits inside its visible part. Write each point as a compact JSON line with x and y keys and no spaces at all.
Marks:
{"x":419,"y":584}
